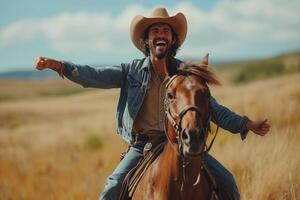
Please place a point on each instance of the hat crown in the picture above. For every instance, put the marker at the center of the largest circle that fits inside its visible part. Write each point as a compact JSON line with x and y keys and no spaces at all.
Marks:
{"x":139,"y":25}
{"x":160,"y":13}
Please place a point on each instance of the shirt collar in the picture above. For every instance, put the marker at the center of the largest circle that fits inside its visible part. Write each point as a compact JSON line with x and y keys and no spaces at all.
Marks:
{"x":146,"y":63}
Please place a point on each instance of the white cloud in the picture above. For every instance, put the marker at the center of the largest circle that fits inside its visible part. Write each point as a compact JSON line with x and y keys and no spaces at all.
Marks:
{"x":241,"y":25}
{"x":230,"y":26}
{"x":75,"y":32}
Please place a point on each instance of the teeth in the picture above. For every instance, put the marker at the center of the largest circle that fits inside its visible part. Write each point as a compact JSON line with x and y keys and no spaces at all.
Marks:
{"x":161,"y":42}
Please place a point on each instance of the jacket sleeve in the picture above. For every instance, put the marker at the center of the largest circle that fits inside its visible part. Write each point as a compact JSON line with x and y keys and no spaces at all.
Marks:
{"x":96,"y":77}
{"x":227,"y":119}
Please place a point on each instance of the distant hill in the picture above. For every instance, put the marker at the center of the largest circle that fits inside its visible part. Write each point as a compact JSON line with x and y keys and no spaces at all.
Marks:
{"x":246,"y":71}
{"x":28,"y":74}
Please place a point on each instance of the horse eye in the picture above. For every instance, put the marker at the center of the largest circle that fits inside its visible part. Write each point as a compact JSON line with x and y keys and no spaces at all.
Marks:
{"x":170,"y":95}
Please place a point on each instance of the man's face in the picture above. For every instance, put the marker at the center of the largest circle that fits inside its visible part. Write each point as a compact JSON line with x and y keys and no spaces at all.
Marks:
{"x":159,"y":39}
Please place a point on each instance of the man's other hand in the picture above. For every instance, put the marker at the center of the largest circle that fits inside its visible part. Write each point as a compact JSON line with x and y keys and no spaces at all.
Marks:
{"x":258,"y":127}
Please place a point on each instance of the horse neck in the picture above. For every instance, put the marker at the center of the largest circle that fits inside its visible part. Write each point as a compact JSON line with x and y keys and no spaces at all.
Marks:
{"x":183,"y":169}
{"x":169,"y":177}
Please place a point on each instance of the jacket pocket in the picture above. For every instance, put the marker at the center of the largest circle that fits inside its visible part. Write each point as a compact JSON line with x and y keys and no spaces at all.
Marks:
{"x":134,"y":87}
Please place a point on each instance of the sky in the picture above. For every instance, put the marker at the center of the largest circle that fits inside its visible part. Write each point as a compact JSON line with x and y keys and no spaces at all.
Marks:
{"x":97,"y":32}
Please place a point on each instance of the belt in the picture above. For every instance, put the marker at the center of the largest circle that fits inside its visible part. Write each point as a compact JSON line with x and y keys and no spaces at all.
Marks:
{"x":143,"y":137}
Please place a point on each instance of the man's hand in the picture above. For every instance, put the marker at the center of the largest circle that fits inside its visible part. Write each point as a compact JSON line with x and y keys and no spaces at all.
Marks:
{"x":42,"y":63}
{"x":258,"y":127}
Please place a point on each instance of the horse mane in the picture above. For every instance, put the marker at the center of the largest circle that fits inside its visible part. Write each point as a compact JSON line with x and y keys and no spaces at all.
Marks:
{"x":201,"y":70}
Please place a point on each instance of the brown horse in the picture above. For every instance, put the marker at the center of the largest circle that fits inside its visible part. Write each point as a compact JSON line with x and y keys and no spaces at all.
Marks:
{"x":177,"y":174}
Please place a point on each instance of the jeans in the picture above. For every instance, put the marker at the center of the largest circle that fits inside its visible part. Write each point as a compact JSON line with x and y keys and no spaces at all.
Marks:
{"x":114,"y":182}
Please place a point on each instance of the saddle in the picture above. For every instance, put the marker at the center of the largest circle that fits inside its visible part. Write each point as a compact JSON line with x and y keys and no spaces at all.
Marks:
{"x":151,"y":151}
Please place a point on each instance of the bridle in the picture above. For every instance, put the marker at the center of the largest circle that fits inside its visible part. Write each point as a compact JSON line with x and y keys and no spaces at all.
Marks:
{"x":177,"y":119}
{"x":205,"y":129}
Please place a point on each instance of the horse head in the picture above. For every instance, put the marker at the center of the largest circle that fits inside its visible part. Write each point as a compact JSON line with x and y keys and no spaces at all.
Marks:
{"x":187,"y":108}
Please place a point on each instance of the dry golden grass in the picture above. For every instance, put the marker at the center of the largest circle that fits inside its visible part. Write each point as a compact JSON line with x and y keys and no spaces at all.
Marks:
{"x":265,"y":167}
{"x":45,"y":151}
{"x":20,"y":89}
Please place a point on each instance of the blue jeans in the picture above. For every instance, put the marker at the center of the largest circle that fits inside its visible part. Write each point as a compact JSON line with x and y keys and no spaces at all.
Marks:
{"x":114,"y":182}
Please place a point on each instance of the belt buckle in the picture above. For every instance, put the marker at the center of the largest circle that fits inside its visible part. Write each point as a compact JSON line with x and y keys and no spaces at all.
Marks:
{"x":147,"y":148}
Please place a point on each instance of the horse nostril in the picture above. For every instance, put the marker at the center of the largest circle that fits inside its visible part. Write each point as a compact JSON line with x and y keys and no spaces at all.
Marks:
{"x":185,"y":137}
{"x":192,"y":136}
{"x":201,"y":137}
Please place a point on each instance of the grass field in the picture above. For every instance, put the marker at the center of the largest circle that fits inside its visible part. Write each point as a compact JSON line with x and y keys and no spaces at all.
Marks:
{"x":58,"y":142}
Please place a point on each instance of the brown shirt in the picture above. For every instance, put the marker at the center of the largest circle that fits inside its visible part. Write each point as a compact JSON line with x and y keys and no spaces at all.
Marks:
{"x":150,"y":118}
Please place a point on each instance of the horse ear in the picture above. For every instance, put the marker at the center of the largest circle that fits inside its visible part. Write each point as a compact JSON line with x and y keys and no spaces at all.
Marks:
{"x":205,"y":60}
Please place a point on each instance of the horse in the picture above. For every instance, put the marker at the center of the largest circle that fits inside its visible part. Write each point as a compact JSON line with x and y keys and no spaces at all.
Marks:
{"x":178,"y":172}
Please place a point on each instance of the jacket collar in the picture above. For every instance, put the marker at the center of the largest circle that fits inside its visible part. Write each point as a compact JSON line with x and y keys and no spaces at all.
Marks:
{"x":147,"y":63}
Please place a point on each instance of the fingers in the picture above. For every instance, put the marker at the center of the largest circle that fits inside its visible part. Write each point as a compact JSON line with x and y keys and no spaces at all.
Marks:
{"x":262,"y":132}
{"x":263,"y":128}
{"x":265,"y":125}
{"x":265,"y":121}
{"x":40,"y":63}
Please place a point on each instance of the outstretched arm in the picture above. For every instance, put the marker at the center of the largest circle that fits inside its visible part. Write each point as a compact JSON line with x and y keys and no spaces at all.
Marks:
{"x":235,"y":123}
{"x":101,"y":77}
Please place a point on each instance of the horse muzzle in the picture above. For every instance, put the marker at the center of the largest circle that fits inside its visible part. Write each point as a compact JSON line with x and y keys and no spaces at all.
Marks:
{"x":192,"y":142}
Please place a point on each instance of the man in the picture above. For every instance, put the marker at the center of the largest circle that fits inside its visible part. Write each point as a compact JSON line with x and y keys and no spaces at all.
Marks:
{"x":140,"y":109}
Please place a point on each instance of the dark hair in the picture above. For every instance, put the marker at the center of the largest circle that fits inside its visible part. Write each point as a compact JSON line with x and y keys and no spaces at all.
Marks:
{"x":174,"y":47}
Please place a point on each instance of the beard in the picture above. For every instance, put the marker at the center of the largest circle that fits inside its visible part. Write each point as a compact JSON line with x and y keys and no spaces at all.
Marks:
{"x":161,"y":55}
{"x":159,"y":52}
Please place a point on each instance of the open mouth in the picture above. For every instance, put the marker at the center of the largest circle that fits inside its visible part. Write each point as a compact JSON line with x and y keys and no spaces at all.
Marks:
{"x":160,"y":43}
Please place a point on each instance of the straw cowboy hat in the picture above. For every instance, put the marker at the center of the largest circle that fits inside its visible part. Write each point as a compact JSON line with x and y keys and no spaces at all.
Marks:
{"x":140,"y":23}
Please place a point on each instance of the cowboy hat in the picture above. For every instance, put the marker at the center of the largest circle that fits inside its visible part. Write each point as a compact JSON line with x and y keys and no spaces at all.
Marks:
{"x":160,"y":15}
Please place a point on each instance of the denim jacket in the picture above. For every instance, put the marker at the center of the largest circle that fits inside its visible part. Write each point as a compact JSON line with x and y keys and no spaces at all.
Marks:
{"x":133,"y":79}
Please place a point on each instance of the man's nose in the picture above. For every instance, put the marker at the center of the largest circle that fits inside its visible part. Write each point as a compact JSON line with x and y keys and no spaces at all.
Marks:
{"x":160,"y":33}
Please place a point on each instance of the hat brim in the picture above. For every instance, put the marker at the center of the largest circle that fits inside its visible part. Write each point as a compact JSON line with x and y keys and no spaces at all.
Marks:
{"x":140,"y":23}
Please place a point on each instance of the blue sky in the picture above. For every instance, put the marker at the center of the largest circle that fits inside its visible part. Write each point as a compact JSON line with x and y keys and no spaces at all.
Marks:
{"x":97,"y":32}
